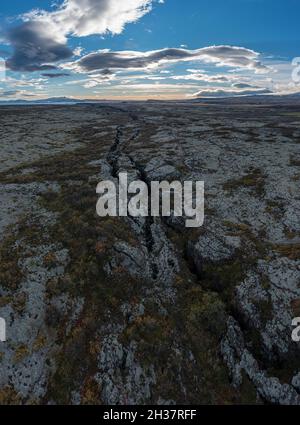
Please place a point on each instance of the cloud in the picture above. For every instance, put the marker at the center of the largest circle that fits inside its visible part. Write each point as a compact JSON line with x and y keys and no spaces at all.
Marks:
{"x":151,"y":89}
{"x":216,"y":78}
{"x":34,"y":48}
{"x":219,"y":55}
{"x":231,"y":92}
{"x":243,"y":86}
{"x":36,"y":83}
{"x":41,"y":40}
{"x":9,"y":93}
{"x":16,"y":94}
{"x":78,"y":51}
{"x":104,"y":76}
{"x":87,"y":17}
{"x":57,"y":75}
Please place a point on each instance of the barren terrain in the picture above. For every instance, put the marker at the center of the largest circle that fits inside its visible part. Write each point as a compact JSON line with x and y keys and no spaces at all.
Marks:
{"x":144,"y":310}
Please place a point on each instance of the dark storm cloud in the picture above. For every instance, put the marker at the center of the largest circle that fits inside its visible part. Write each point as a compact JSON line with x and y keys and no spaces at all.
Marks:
{"x":34,"y":48}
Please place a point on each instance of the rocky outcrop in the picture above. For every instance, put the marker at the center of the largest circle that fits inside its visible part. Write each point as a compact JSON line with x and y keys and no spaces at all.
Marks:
{"x":239,"y":359}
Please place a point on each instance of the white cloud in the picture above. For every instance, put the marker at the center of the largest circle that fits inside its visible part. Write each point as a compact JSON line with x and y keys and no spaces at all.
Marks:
{"x":231,"y":91}
{"x":155,"y":88}
{"x":215,"y":78}
{"x":86,"y":17}
{"x":78,"y":51}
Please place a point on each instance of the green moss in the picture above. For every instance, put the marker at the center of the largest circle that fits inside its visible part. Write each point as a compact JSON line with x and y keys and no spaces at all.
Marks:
{"x":265,"y":308}
{"x":260,"y":246}
{"x":40,"y":342}
{"x":275,"y":208}
{"x":19,"y":302}
{"x":50,"y":260}
{"x":10,"y":272}
{"x":153,"y":334}
{"x":247,"y":392}
{"x":254,"y":180}
{"x":294,"y":162}
{"x":296,"y":177}
{"x":290,"y":234}
{"x":75,"y":362}
{"x":237,"y":227}
{"x":291,"y":251}
{"x":265,"y":283}
{"x":4,"y":300}
{"x":90,"y":392}
{"x":224,"y":277}
{"x":295,"y":114}
{"x":208,"y":312}
{"x":295,"y":306}
{"x":8,"y":396}
{"x":20,"y":353}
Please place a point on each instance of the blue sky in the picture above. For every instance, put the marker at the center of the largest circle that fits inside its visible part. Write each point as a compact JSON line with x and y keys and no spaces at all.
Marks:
{"x":147,"y":49}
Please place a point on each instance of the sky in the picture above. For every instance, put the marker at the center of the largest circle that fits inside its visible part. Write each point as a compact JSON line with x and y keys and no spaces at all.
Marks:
{"x":148,"y":49}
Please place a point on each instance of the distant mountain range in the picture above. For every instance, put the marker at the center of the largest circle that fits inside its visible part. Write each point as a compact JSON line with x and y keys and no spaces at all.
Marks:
{"x":288,"y":99}
{"x":255,"y":99}
{"x":51,"y":101}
